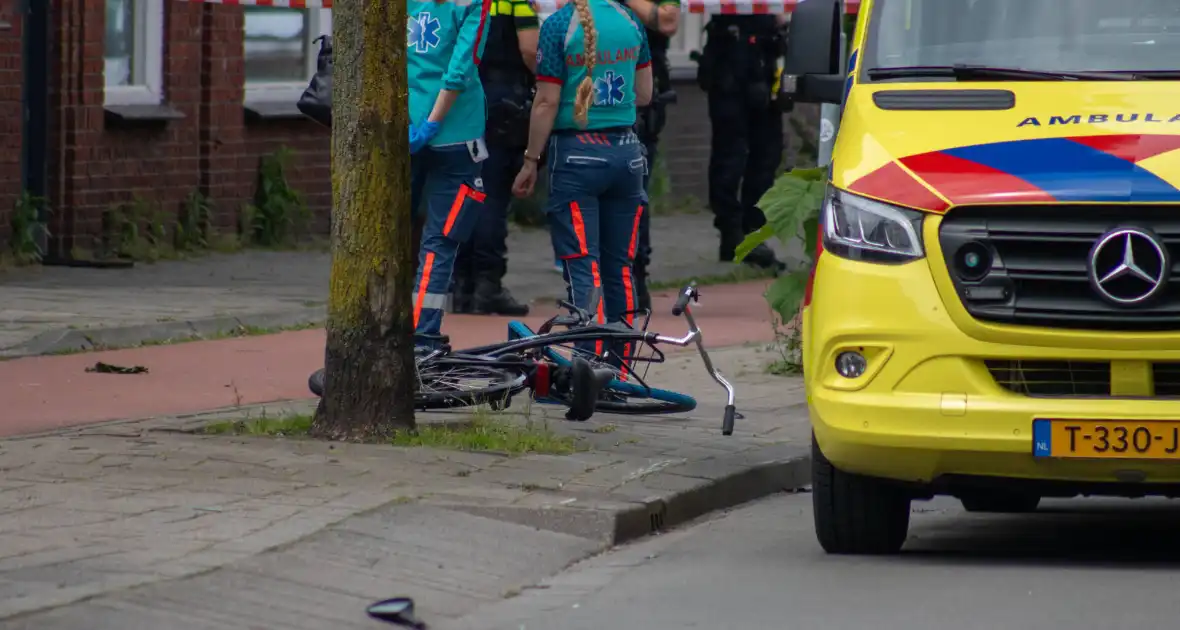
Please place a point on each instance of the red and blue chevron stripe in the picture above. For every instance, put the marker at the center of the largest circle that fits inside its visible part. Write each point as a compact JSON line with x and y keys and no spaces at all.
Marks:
{"x":1103,"y":168}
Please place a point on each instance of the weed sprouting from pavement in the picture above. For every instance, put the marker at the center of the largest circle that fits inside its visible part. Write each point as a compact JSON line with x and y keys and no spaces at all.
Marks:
{"x":788,"y":345}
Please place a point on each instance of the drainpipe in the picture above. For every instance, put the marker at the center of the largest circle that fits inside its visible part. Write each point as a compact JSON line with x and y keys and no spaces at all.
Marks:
{"x":36,"y":35}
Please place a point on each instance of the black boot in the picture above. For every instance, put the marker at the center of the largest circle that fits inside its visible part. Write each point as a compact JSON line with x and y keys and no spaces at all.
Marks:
{"x":761,"y":256}
{"x":643,"y":296}
{"x":491,"y":298}
{"x":730,"y":239}
{"x":464,"y":287}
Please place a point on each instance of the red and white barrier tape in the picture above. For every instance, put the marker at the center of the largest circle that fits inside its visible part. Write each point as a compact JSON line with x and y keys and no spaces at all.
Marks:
{"x":729,"y":7}
{"x":726,"y":7}
{"x":286,"y":4}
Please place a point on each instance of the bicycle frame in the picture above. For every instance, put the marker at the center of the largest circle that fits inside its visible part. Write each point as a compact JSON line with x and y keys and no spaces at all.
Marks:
{"x":583,"y":328}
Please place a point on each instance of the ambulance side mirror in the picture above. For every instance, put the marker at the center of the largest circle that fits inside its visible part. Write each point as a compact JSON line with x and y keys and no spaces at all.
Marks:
{"x":812,"y":71}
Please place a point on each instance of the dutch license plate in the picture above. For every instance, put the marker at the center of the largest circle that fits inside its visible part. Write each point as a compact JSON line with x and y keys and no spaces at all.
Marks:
{"x":1107,"y":439}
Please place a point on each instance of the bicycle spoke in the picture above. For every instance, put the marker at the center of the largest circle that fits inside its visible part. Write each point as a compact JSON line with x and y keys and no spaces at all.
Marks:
{"x":452,"y":379}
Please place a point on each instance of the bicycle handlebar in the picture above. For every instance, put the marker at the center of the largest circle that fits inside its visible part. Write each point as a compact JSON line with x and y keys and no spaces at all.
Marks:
{"x":687,"y":293}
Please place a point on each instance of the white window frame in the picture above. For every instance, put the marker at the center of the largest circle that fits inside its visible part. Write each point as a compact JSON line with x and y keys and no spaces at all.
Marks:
{"x":319,"y":23}
{"x":148,"y":55}
{"x":688,"y":37}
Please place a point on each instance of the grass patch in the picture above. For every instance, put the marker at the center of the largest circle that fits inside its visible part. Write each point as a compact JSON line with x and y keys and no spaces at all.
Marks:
{"x":660,"y":193}
{"x":484,"y":432}
{"x":290,"y":426}
{"x":234,"y":333}
{"x":740,"y":273}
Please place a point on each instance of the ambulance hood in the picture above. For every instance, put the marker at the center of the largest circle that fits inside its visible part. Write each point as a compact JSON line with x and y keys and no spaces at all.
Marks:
{"x":932,"y":146}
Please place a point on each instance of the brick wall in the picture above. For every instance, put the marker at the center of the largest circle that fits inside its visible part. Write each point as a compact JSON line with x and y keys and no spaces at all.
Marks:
{"x":234,"y":146}
{"x":311,"y":152}
{"x":95,"y":165}
{"x":98,"y":164}
{"x":11,"y":83}
{"x":215,"y":149}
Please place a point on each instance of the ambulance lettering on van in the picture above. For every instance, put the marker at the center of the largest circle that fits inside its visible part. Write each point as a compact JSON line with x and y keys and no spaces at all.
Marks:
{"x":1098,"y":119}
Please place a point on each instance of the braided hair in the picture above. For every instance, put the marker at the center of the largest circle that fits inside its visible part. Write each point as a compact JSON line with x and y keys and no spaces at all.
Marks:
{"x":585,"y":96}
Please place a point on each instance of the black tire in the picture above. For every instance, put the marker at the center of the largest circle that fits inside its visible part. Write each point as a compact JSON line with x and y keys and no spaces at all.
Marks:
{"x":856,"y":514}
{"x":628,"y":405}
{"x":996,"y":502}
{"x":497,"y":392}
{"x":315,"y":382}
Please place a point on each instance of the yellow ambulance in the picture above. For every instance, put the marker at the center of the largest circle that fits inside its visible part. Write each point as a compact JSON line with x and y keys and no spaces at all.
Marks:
{"x":994,"y":312}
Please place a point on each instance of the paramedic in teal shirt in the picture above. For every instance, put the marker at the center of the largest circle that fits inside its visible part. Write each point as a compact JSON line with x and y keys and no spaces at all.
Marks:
{"x":593,"y":69}
{"x":445,"y":40}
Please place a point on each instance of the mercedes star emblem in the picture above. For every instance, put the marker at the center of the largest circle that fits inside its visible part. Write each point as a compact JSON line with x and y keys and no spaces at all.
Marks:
{"x":1128,"y":266}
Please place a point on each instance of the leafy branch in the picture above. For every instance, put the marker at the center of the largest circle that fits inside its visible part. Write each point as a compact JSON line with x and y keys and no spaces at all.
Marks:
{"x":792,"y":207}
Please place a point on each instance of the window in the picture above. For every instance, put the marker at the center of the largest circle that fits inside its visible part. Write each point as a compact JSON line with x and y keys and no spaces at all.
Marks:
{"x":133,"y":52}
{"x":280,"y":50}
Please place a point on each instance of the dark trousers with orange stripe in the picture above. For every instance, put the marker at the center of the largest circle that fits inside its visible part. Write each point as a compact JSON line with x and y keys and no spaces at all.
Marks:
{"x":446,"y":188}
{"x":596,"y":203}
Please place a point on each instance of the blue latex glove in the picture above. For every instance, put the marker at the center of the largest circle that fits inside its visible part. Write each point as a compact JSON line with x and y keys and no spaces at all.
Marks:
{"x":421,"y":135}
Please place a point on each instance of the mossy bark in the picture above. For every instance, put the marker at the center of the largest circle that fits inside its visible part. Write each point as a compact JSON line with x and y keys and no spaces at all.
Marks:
{"x":368,"y":392}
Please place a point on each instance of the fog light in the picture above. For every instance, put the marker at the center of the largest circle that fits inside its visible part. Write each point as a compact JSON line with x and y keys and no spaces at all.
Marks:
{"x":851,"y":364}
{"x":973,"y":261}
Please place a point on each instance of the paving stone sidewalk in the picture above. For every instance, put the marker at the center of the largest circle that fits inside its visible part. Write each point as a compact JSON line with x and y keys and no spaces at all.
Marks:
{"x":47,"y":310}
{"x":144,"y":524}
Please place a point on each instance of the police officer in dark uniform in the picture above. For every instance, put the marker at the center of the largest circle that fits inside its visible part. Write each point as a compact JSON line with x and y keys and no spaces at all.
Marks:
{"x":506,"y":72}
{"x":662,"y":18}
{"x":738,"y":69}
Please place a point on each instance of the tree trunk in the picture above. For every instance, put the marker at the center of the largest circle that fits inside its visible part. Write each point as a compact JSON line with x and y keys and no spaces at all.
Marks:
{"x":368,"y":391}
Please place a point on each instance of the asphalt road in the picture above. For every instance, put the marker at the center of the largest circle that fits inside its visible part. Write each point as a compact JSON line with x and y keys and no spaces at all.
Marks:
{"x":1079,"y":564}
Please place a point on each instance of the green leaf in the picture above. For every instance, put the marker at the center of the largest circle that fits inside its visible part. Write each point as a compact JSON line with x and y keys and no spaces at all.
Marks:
{"x":794,"y":198}
{"x":752,"y":240}
{"x":810,"y":174}
{"x":810,"y":234}
{"x":785,"y":295}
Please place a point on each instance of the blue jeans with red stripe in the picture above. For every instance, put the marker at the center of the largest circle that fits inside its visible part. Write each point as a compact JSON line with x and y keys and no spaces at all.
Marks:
{"x":596,"y":201}
{"x":446,"y":185}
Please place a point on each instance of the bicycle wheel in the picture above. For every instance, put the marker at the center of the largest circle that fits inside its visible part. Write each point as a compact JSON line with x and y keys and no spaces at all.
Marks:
{"x":620,"y":396}
{"x":447,"y":384}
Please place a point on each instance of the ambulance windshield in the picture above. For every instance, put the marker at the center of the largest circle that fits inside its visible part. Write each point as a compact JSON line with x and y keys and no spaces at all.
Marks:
{"x":1044,"y":35}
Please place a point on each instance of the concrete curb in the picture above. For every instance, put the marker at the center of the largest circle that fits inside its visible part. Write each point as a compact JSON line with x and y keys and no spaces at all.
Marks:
{"x":71,"y":340}
{"x":665,"y":499}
